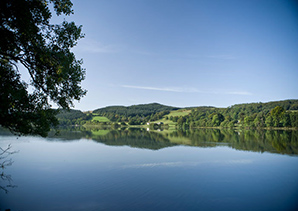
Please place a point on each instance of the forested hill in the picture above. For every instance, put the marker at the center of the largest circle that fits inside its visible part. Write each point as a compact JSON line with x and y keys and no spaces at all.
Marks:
{"x":266,"y":107}
{"x":72,"y":117}
{"x":142,"y":110}
{"x":270,"y":114}
{"x":134,"y":114}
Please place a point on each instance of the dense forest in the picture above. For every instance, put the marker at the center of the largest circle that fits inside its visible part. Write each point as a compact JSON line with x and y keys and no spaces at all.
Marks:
{"x":72,"y":117}
{"x":250,"y":115}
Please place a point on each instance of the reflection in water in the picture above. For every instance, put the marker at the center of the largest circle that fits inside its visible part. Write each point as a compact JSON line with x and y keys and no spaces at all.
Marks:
{"x":67,"y":173}
{"x":284,"y":142}
{"x":4,"y":163}
{"x":275,"y":141}
{"x":135,"y":138}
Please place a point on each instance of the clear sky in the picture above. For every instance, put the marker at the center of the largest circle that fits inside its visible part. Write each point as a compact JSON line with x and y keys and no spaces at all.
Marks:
{"x":187,"y":52}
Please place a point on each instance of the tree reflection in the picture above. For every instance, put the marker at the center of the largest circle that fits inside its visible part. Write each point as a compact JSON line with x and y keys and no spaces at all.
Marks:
{"x":4,"y":163}
{"x":133,"y":137}
{"x":274,"y":141}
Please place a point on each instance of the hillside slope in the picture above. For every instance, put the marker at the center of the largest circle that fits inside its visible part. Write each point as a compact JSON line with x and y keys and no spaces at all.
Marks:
{"x":253,"y":115}
{"x":126,"y":113}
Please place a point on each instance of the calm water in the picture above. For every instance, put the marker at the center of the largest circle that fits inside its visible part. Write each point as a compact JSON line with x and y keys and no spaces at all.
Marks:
{"x":138,"y":170}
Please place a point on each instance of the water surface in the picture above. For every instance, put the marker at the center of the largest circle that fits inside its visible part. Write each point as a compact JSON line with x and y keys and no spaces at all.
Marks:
{"x":138,"y":170}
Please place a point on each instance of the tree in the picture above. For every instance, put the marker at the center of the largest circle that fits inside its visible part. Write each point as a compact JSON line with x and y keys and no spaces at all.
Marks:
{"x":181,"y":120}
{"x":259,"y":121}
{"x":217,"y":119}
{"x":286,"y":121}
{"x":294,"y":119}
{"x":269,"y":121}
{"x":28,"y":39}
{"x":248,"y":121}
{"x":5,"y":162}
{"x":277,"y":114}
{"x":294,"y":106}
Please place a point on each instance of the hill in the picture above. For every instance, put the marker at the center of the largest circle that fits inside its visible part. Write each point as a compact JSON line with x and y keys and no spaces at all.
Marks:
{"x":250,"y":115}
{"x":72,"y":117}
{"x":142,"y":112}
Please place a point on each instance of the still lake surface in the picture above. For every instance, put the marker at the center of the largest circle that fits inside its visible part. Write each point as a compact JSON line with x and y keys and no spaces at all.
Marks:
{"x":140,"y":170}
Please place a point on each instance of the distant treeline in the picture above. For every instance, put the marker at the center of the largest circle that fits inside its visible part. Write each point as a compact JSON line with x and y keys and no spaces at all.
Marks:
{"x":252,"y":115}
{"x":136,"y":114}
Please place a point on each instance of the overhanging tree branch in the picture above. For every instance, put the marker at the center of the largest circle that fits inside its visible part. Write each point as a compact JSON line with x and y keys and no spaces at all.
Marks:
{"x":27,"y":37}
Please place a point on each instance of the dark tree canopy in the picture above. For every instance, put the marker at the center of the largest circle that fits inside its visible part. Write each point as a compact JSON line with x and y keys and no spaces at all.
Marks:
{"x":28,"y":39}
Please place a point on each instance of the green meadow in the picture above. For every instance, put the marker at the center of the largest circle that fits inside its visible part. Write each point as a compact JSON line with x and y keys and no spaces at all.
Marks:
{"x":100,"y":119}
{"x":178,"y":113}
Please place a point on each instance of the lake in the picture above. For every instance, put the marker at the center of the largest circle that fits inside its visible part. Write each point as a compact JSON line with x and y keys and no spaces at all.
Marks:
{"x":204,"y":169}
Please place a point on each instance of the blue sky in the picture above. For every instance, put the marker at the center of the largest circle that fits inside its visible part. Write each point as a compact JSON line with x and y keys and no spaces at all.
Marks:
{"x":187,"y":52}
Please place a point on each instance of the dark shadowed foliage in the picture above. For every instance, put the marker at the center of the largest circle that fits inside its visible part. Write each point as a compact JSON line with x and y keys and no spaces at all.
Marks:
{"x":28,"y":39}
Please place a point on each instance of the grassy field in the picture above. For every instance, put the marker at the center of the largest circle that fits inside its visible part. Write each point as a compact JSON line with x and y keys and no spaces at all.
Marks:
{"x":100,"y":119}
{"x":181,"y":112}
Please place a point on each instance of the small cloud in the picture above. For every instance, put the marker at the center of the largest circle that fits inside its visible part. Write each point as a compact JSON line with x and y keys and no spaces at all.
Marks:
{"x":186,"y":90}
{"x":156,"y":88}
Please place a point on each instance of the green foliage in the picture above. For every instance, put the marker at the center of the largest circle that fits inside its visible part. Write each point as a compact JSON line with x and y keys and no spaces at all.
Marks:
{"x":158,"y":126}
{"x":294,"y":119}
{"x":294,"y":106}
{"x":269,"y":121}
{"x":277,"y":114}
{"x":253,"y":115}
{"x":249,"y":121}
{"x":134,"y":121}
{"x":136,"y":114}
{"x":72,"y":117}
{"x":100,"y":119}
{"x":19,"y":111}
{"x":217,"y":119}
{"x":244,"y":116}
{"x":28,"y":39}
{"x":286,"y":121}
